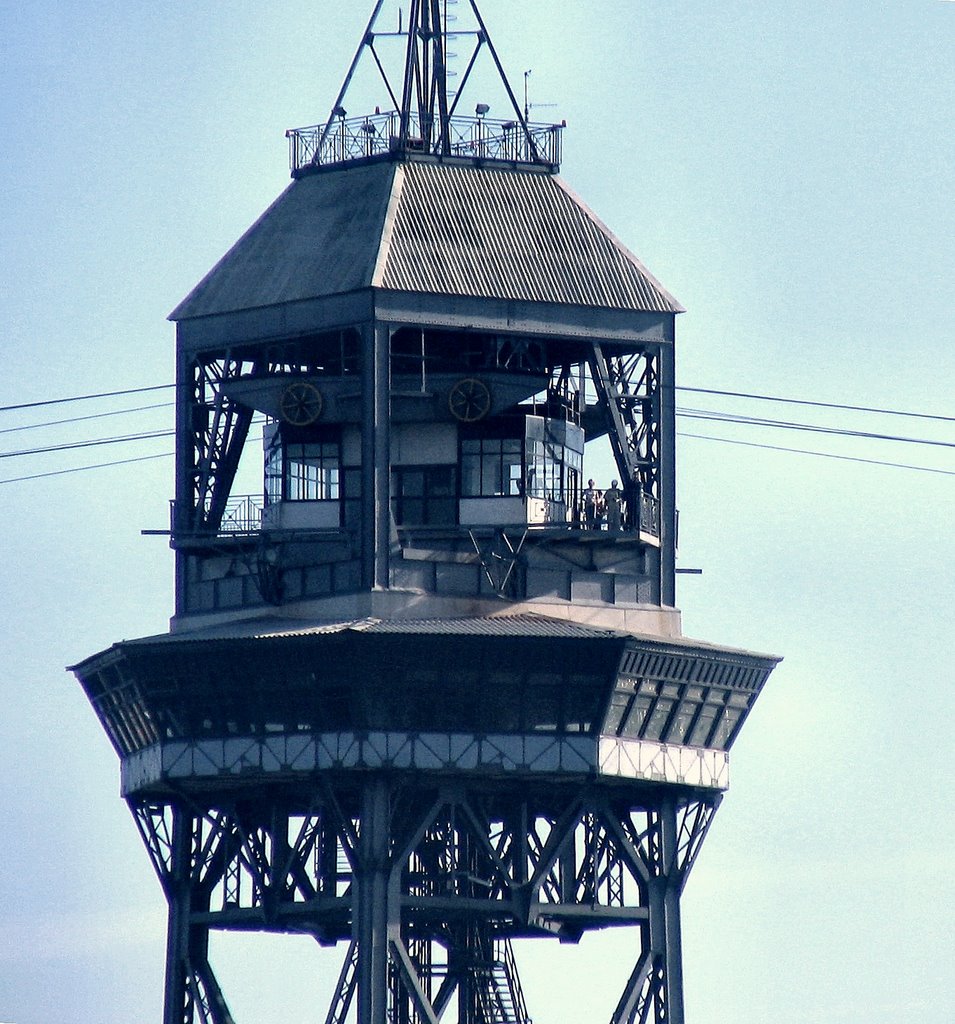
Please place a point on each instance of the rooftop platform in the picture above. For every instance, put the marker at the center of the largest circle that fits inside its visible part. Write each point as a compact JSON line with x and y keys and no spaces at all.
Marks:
{"x":474,"y":139}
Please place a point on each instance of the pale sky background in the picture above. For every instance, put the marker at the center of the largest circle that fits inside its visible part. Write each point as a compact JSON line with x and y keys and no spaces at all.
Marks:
{"x":787,"y":169}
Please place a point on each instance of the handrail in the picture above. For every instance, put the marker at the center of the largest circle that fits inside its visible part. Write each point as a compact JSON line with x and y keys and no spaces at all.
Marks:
{"x":356,"y":138}
{"x":242,"y":514}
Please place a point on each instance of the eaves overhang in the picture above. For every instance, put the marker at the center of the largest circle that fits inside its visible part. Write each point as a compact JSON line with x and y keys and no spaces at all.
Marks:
{"x":486,"y":676}
{"x":390,"y":307}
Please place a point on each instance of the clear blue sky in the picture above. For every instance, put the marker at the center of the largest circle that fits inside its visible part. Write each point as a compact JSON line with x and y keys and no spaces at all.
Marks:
{"x":788,"y":171}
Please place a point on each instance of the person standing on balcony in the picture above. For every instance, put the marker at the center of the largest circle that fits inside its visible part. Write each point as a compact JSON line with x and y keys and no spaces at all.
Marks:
{"x":613,"y":503}
{"x":593,"y":506}
{"x":634,"y":501}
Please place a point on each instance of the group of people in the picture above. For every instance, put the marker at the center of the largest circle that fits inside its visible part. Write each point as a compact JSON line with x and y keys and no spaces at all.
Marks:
{"x":600,"y":506}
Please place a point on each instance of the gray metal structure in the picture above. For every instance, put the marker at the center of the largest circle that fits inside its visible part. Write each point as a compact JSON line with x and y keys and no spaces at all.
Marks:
{"x":413,"y":703}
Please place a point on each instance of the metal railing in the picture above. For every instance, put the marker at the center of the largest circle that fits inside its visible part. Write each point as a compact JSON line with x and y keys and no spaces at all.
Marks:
{"x":243,"y":514}
{"x":649,"y":515}
{"x":356,"y":138}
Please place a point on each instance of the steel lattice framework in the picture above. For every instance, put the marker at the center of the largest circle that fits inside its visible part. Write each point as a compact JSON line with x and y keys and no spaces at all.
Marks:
{"x":219,"y":428}
{"x":628,"y":389}
{"x":426,"y":886}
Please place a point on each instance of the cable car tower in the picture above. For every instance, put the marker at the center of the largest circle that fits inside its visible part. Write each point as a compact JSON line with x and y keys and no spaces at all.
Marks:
{"x":416,"y":700}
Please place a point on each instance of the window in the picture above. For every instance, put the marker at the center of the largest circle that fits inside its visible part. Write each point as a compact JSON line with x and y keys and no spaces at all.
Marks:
{"x":312,"y":472}
{"x":553,"y":471}
{"x":302,"y":470}
{"x":490,"y":467}
{"x":424,"y":495}
{"x":273,"y":470}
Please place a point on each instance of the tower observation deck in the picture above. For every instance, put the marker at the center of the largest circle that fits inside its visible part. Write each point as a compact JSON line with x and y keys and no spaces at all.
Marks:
{"x":418,"y":698}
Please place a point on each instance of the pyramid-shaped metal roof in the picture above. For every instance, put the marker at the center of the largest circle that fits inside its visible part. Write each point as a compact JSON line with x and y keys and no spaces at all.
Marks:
{"x":432,"y":227}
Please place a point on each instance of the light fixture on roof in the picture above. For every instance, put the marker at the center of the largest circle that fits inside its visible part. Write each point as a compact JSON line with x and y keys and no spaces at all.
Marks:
{"x":339,"y":112}
{"x":481,"y":109}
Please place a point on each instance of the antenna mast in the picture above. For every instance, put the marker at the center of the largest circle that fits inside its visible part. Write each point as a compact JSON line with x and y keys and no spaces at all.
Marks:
{"x":425,"y":87}
{"x":424,"y":119}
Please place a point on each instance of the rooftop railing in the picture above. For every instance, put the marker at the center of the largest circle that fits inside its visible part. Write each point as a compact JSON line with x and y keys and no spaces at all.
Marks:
{"x":356,"y":138}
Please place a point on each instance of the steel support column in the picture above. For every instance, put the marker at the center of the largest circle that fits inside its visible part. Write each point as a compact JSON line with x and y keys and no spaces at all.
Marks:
{"x":665,"y":935}
{"x":375,"y":916}
{"x":178,"y":886}
{"x":382,"y":450}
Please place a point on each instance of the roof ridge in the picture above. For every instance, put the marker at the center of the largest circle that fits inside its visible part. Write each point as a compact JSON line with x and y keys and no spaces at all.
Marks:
{"x":388,"y":227}
{"x":611,"y":236}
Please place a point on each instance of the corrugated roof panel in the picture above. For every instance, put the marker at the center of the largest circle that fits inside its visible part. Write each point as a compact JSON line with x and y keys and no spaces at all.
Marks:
{"x":452,"y":230}
{"x":320,"y":237}
{"x":526,"y":625}
{"x":495,"y":625}
{"x":511,"y":235}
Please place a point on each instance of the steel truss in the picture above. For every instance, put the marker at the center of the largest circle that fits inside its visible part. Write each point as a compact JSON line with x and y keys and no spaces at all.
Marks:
{"x":427,"y":886}
{"x":424,"y":103}
{"x":628,"y":390}
{"x":218,"y":428}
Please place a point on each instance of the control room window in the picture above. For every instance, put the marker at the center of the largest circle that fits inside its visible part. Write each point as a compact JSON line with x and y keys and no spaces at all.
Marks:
{"x":424,"y":495}
{"x":553,"y":471}
{"x":273,"y":470}
{"x":491,"y":467}
{"x":312,"y":471}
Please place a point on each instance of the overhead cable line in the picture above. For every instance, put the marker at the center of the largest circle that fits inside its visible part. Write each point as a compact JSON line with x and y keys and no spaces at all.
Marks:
{"x":680,"y":387}
{"x":702,"y":414}
{"x":755,"y":421}
{"x":700,"y":437}
{"x":81,"y":419}
{"x":82,"y":469}
{"x":147,"y":436}
{"x":822,"y":455}
{"x":84,"y":398}
{"x":818,"y":405}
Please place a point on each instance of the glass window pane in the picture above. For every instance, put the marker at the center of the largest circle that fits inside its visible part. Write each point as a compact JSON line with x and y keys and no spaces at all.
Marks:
{"x":658,"y":719}
{"x":412,"y":483}
{"x":491,"y":474}
{"x":470,"y":475}
{"x":703,"y":726}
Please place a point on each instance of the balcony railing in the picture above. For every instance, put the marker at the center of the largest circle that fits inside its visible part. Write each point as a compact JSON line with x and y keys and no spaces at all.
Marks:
{"x":356,"y":138}
{"x":243,"y":514}
{"x":649,"y":515}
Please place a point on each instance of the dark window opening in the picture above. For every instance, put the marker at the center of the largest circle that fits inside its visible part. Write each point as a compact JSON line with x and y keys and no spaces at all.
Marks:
{"x":491,"y":467}
{"x":415,"y":351}
{"x":424,"y":495}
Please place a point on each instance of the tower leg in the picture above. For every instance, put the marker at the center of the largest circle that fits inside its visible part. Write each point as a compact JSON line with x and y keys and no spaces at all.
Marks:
{"x":374,"y":913}
{"x":192,"y":994}
{"x":666,"y":942}
{"x":670,"y":882}
{"x":654,"y":991}
{"x":178,"y":895}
